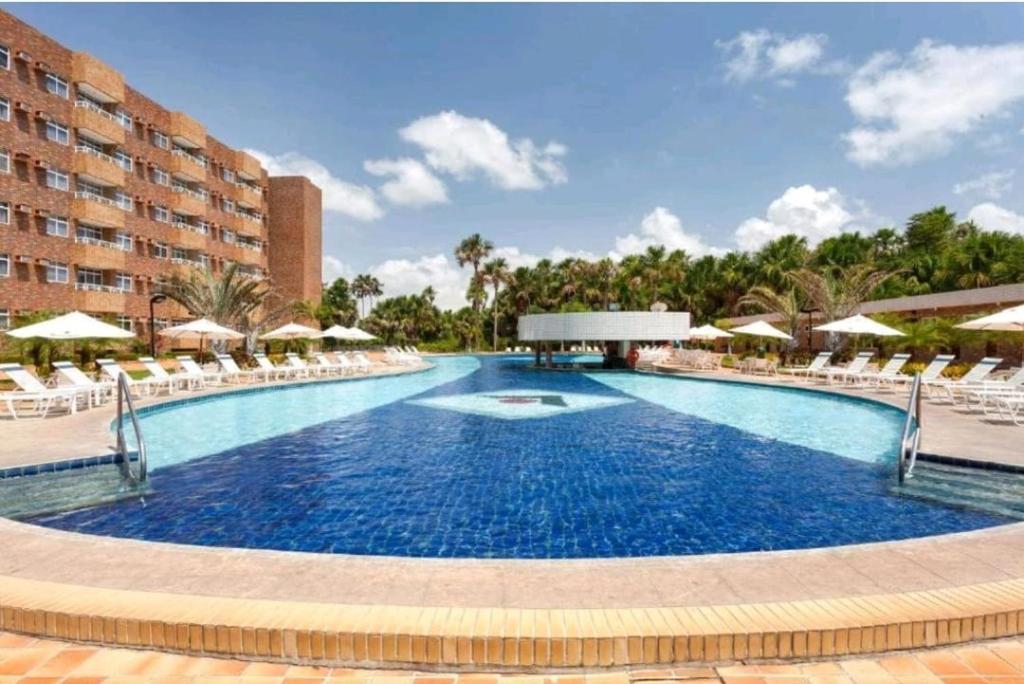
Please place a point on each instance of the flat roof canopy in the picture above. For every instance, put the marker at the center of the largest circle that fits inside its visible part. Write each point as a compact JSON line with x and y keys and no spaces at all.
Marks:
{"x":605,"y":325}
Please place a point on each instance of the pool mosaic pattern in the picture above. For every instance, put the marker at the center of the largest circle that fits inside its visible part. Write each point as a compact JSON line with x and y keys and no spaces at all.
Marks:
{"x":663,"y":466}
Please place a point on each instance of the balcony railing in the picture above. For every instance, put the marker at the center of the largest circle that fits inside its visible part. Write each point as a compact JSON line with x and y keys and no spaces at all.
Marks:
{"x":257,"y":218}
{"x":100,"y":199}
{"x":199,"y":161}
{"x":253,"y":247}
{"x":202,"y":230}
{"x":86,"y":240}
{"x":85,"y":149}
{"x":201,"y":196}
{"x":93,"y":287}
{"x":85,"y":104}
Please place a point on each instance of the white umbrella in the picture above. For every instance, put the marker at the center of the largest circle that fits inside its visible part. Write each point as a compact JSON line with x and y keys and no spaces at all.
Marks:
{"x":203,"y":329}
{"x":859,"y":325}
{"x":358,"y":334}
{"x":338,"y":332}
{"x":73,"y":326}
{"x":1011,"y":320}
{"x":708,"y":332}
{"x":761,"y":329}
{"x":291,"y":331}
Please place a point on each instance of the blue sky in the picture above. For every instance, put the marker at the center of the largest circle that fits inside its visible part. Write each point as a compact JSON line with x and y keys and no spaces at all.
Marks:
{"x":695,"y":126}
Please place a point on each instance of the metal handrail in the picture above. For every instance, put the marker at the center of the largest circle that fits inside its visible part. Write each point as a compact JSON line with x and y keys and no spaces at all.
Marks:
{"x":911,"y":439}
{"x":124,"y":396}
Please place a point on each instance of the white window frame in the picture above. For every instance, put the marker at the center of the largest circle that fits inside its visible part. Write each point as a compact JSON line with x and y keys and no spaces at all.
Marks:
{"x":93,"y":277}
{"x":122,"y":277}
{"x":55,"y":85}
{"x":58,"y":180}
{"x":5,"y":109}
{"x":58,"y":133}
{"x":5,"y":213}
{"x":227,"y":205}
{"x":57,"y":226}
{"x":124,"y":240}
{"x":124,"y":160}
{"x":161,"y":140}
{"x":5,"y":57}
{"x":179,"y":253}
{"x":159,"y":176}
{"x":124,"y":200}
{"x":160,"y":251}
{"x":125,"y":119}
{"x":5,"y":265}
{"x":161,"y":214}
{"x":5,"y":319}
{"x":126,"y":322}
{"x":57,"y":272}
{"x":227,"y":174}
{"x":5,"y":161}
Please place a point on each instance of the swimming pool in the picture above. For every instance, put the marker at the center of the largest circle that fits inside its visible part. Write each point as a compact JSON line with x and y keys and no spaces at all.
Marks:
{"x":487,"y":458}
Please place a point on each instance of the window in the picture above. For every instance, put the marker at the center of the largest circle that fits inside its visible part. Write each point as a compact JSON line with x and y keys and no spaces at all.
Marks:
{"x":179,"y":253}
{"x":5,"y":213}
{"x":161,"y":140}
{"x":160,"y":177}
{"x":123,"y":159}
{"x":123,"y":240}
{"x":125,"y":322}
{"x":5,"y":57}
{"x":5,"y":161}
{"x":123,"y":282}
{"x":5,"y":265}
{"x":86,"y":186}
{"x":57,"y":133}
{"x":178,"y":218}
{"x":57,"y":226}
{"x":204,"y":260}
{"x":227,"y":205}
{"x":88,"y":232}
{"x":58,"y":180}
{"x":90,"y":144}
{"x":56,"y":272}
{"x":124,"y":200}
{"x":90,"y":277}
{"x":5,"y":109}
{"x":161,"y":214}
{"x":227,"y":174}
{"x":5,"y":319}
{"x":57,"y":85}
{"x":159,"y":250}
{"x":124,"y":118}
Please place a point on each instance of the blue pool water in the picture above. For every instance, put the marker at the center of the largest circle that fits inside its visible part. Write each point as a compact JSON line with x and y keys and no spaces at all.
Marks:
{"x":485,"y":457}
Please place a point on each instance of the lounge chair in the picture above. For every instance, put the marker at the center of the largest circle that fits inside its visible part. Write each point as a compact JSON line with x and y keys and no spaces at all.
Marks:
{"x":364,"y":362}
{"x":232,"y":372}
{"x":987,"y":389}
{"x":395,"y":356}
{"x":816,"y":364}
{"x":190,"y":366}
{"x":182,"y":380}
{"x":891,"y":369}
{"x":1009,"y":408}
{"x":274,"y":372}
{"x":848,"y":372}
{"x":37,"y":396}
{"x":974,"y":376}
{"x":149,"y":385}
{"x":98,"y":391}
{"x":931,"y":372}
{"x":302,"y":368}
{"x":328,"y":367}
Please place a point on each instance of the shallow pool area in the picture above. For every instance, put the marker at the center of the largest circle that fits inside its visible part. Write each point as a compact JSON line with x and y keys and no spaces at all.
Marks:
{"x":483,"y":457}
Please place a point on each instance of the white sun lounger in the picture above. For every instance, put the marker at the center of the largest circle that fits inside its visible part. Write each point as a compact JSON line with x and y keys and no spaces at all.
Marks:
{"x":98,"y":391}
{"x":304,"y":369}
{"x":329,"y":367}
{"x":183,"y":380}
{"x":978,"y":393}
{"x":233,"y":373}
{"x":816,"y":364}
{"x":1009,"y":408}
{"x":932,"y":371}
{"x":150,"y":385}
{"x":190,"y":366}
{"x":37,"y":396}
{"x":891,"y":369}
{"x":848,"y":372}
{"x":974,"y":376}
{"x":272,"y":371}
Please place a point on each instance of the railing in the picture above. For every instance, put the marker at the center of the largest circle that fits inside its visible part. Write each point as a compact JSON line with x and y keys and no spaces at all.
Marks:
{"x":85,"y":149}
{"x":202,"y":230}
{"x":85,"y":240}
{"x":911,"y":438}
{"x":191,"y":157}
{"x":94,"y":287}
{"x":124,"y":396}
{"x":258,"y":218}
{"x":191,"y":193}
{"x":93,"y":197}
{"x":85,"y":104}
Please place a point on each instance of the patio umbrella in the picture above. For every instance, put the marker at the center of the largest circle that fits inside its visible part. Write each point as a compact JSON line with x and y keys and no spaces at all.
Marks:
{"x":708,"y":332}
{"x":358,"y":334}
{"x":203,"y":329}
{"x":761,"y":329}
{"x":291,"y":331}
{"x":72,"y":326}
{"x":338,"y":332}
{"x":1010,"y":320}
{"x":859,"y":325}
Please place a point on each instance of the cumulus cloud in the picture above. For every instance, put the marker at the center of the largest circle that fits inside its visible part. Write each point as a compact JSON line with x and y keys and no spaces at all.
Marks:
{"x":804,"y":211}
{"x":661,"y":228}
{"x":412,"y":276}
{"x":994,"y":217}
{"x":466,"y":147}
{"x":992,"y":185}
{"x":914,"y":107}
{"x":332,"y":267}
{"x":355,"y":201}
{"x":412,"y":184}
{"x":763,"y":54}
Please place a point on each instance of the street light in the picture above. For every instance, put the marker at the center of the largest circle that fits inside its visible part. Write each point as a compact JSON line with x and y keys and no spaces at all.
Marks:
{"x":155,"y":299}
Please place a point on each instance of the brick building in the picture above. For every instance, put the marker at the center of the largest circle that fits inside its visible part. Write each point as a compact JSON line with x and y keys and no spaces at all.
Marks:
{"x":104,"y":193}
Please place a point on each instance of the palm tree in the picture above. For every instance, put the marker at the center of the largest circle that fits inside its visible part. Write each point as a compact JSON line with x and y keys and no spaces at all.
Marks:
{"x":473,"y":250}
{"x":838,"y":293}
{"x":787,"y":305}
{"x":361,"y":290}
{"x":497,"y":274}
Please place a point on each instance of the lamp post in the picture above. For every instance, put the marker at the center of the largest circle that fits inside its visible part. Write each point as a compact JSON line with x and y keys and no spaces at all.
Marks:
{"x":810,"y":332}
{"x":155,"y":299}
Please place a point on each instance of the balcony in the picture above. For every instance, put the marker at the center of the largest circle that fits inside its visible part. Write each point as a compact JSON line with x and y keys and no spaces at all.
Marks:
{"x":250,"y":256}
{"x":191,"y":237}
{"x":97,"y":123}
{"x":186,"y":267}
{"x":248,"y":167}
{"x":96,"y":79}
{"x":97,"y":168}
{"x":99,"y":298}
{"x":187,"y":166}
{"x":97,"y":210}
{"x":99,"y":254}
{"x":186,"y":131}
{"x":248,"y":197}
{"x":188,"y":202}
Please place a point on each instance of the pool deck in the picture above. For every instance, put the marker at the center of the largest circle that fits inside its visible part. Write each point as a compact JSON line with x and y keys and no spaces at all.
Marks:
{"x":511,"y":615}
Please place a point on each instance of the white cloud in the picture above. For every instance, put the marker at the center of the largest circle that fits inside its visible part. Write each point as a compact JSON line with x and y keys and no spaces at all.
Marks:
{"x":516,"y":257}
{"x":991,"y":185}
{"x":914,"y":107}
{"x":994,"y":217}
{"x":465,"y":147}
{"x":332,"y":267}
{"x":804,"y":211}
{"x":763,"y":54}
{"x":406,"y":276}
{"x":412,"y":184}
{"x":661,"y":227}
{"x":355,"y":201}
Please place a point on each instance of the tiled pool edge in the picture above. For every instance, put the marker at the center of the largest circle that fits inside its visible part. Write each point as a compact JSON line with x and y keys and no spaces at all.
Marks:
{"x":372,"y":636}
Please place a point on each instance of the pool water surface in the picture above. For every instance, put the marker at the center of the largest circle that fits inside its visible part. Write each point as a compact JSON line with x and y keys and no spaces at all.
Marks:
{"x":487,"y":458}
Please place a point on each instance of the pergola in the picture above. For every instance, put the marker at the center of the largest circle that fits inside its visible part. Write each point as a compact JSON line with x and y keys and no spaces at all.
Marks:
{"x":623,"y":327}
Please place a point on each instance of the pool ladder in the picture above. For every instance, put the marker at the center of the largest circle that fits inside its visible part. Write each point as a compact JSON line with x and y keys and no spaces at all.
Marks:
{"x":124,"y":398}
{"x":911,"y":439}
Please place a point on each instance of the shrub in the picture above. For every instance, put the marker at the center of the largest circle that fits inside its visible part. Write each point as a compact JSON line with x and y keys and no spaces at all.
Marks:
{"x":448,"y":345}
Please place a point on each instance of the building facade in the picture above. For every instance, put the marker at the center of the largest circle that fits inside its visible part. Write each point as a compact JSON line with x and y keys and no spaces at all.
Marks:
{"x":296,"y":233}
{"x":104,"y":193}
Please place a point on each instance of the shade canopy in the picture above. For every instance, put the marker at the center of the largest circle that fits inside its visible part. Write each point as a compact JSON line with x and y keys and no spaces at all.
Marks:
{"x":340,"y":332}
{"x":859,"y":325}
{"x":1011,"y":319}
{"x":202,"y":328}
{"x":291,"y":331}
{"x":708,"y":332}
{"x":73,"y":326}
{"x":362,"y":335}
{"x":761,"y":329}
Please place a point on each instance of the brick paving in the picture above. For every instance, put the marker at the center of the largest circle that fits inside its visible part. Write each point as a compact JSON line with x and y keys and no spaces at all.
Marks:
{"x":28,"y":660}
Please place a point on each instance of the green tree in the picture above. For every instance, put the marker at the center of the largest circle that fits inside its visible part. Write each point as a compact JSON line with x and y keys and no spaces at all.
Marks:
{"x":495,"y":272}
{"x":473,"y":250}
